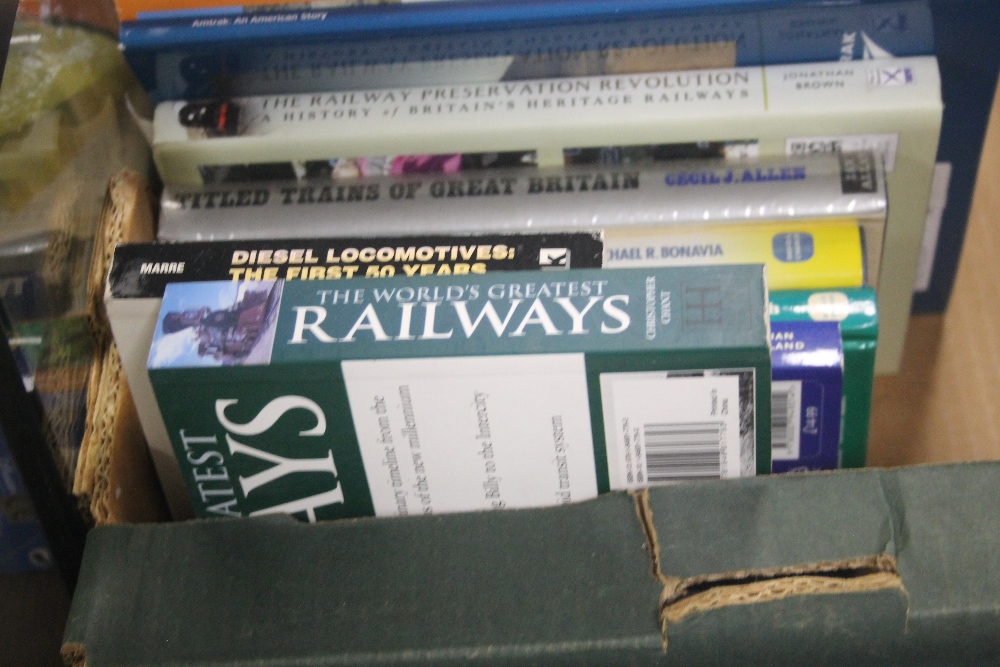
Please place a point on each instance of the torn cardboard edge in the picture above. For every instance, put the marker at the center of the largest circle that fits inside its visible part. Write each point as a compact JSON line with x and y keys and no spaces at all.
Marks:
{"x":74,"y":655}
{"x":683,"y":597}
{"x":744,"y":587}
{"x":114,"y":477}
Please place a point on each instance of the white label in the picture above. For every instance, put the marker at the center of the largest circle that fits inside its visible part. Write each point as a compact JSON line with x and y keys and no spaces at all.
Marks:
{"x":932,"y":227}
{"x":883,"y":144}
{"x":890,"y":76}
{"x":470,"y":433}
{"x":662,"y":429}
{"x":828,"y":307}
{"x":786,"y":408}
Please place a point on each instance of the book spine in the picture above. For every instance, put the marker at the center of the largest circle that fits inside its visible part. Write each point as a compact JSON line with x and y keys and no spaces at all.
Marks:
{"x":893,"y":28}
{"x":589,"y":197}
{"x":459,"y":12}
{"x":426,"y":423}
{"x":352,"y":22}
{"x":893,"y":106}
{"x":855,"y":310}
{"x":150,"y":10}
{"x":143,"y":270}
{"x":193,"y":140}
{"x":798,"y":255}
{"x":319,"y":50}
{"x":804,"y":255}
{"x":856,"y":313}
{"x":807,"y":375}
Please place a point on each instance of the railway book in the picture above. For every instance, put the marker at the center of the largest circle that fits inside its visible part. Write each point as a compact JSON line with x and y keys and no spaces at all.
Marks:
{"x":891,"y":106}
{"x":807,"y":379}
{"x":300,"y":48}
{"x":400,"y":396}
{"x":140,"y":273}
{"x":798,"y":255}
{"x":855,"y":311}
{"x":584,"y":198}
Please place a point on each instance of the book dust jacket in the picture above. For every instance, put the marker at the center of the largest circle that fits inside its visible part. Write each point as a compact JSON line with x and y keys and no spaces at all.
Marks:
{"x":454,"y":393}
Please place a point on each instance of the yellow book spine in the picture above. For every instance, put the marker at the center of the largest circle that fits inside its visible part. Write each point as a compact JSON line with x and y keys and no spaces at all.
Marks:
{"x":798,"y":255}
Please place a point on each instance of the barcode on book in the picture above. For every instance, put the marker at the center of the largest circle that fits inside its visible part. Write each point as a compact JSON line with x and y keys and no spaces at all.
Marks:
{"x":786,"y":406}
{"x":681,"y":451}
{"x":664,"y":427}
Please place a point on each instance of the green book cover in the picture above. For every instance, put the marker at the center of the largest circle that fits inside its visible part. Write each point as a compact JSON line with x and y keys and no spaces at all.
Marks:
{"x":857,"y":313}
{"x":451,"y":393}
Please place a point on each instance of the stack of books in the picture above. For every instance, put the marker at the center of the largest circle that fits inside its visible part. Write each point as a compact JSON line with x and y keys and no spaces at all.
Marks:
{"x":612,"y":246}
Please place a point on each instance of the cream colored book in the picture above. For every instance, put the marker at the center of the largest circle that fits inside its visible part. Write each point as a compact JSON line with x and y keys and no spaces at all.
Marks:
{"x":891,"y":106}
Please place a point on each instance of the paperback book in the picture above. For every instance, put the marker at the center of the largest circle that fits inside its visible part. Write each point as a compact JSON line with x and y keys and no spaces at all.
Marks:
{"x":891,"y":106}
{"x":855,"y":311}
{"x":140,"y":273}
{"x":807,"y":377}
{"x":428,"y":395}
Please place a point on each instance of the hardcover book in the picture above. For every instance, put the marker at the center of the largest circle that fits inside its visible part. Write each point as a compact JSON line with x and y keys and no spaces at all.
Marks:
{"x":442,"y":394}
{"x":856,"y":312}
{"x":585,"y":198}
{"x":254,"y":51}
{"x":807,"y":378}
{"x":965,"y":39}
{"x":892,"y":106}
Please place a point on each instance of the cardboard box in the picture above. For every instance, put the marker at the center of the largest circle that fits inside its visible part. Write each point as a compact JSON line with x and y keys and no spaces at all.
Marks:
{"x":863,"y":567}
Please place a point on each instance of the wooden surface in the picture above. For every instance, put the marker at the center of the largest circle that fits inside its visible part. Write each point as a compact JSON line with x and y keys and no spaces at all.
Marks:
{"x":945,"y":403}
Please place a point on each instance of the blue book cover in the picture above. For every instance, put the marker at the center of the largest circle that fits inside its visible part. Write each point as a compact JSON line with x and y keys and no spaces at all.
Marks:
{"x":366,"y":47}
{"x":969,"y":59}
{"x":807,"y":376}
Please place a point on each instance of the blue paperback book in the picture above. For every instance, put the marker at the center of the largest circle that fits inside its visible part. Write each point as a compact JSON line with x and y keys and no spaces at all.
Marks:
{"x":257,"y":52}
{"x":807,"y":377}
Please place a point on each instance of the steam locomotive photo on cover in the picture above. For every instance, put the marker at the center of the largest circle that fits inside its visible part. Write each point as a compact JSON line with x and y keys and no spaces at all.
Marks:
{"x":224,"y":324}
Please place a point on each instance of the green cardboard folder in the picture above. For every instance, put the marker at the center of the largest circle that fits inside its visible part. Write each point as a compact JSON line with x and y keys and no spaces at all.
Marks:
{"x":872,"y":567}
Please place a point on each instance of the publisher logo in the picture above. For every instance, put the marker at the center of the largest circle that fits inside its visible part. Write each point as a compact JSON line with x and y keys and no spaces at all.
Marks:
{"x":553,"y":258}
{"x":884,"y":145}
{"x":828,"y":307}
{"x":857,"y":173}
{"x":702,"y":306}
{"x":890,"y":76}
{"x":893,"y":22}
{"x":793,"y":247}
